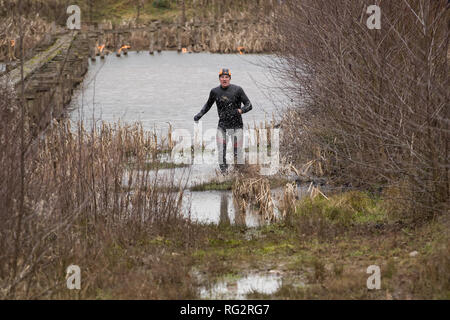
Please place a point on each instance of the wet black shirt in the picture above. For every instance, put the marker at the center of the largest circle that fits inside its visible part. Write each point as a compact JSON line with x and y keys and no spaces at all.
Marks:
{"x":228,"y":101}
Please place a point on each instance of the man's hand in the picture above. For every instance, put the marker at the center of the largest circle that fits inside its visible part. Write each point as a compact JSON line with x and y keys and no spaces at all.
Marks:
{"x":240,"y":111}
{"x":197,"y":117}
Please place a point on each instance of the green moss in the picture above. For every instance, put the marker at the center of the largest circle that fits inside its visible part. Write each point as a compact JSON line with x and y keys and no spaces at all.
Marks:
{"x":276,"y":248}
{"x":199,"y":253}
{"x":102,"y":294}
{"x":160,"y":241}
{"x":155,"y":165}
{"x":213,"y":185}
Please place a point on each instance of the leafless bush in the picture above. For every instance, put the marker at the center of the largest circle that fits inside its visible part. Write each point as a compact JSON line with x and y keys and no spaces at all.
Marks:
{"x":372,"y":104}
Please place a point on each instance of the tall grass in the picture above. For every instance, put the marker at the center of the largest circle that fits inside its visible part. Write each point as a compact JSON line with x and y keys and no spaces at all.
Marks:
{"x":81,"y":200}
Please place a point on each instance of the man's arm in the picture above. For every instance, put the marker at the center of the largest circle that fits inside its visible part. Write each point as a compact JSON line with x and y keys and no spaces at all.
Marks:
{"x":247,"y":104}
{"x":206,"y":107}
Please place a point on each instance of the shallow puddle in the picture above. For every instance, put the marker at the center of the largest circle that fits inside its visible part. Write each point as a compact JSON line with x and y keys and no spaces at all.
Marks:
{"x":240,"y":288}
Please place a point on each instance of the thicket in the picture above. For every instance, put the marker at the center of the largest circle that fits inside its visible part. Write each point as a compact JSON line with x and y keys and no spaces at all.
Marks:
{"x":97,"y":10}
{"x":71,"y":197}
{"x":372,"y":106}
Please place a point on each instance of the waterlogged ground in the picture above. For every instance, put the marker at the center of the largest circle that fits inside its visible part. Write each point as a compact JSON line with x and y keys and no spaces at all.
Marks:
{"x":207,"y":197}
{"x":321,"y":251}
{"x":239,"y":287}
{"x":311,"y":256}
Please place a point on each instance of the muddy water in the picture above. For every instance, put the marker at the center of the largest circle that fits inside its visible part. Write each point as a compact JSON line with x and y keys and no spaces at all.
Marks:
{"x":218,"y":207}
{"x":211,"y":207}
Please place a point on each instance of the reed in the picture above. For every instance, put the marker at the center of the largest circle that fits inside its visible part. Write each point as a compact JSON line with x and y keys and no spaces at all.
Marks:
{"x":256,"y":192}
{"x":81,"y":198}
{"x":287,"y":203}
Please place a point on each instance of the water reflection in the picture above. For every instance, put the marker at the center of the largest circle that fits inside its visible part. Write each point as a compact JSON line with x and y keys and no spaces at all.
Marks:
{"x":218,"y":207}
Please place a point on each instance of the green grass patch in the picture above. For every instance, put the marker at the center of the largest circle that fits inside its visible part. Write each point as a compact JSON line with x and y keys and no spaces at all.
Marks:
{"x":216,"y":185}
{"x":348,"y":208}
{"x":213,"y":185}
{"x":156,"y":165}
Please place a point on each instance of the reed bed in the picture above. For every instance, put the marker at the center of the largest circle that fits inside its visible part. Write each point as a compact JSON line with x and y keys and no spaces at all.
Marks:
{"x":255,"y":192}
{"x":69,"y":196}
{"x":264,"y":125}
{"x":288,"y":200}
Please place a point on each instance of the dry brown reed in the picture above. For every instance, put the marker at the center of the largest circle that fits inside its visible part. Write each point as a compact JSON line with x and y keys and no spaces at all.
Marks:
{"x":80,"y":199}
{"x":287,"y":203}
{"x":255,"y":192}
{"x":263,"y":125}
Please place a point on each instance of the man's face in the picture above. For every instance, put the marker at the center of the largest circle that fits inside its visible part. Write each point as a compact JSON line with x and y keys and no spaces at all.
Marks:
{"x":224,"y":81}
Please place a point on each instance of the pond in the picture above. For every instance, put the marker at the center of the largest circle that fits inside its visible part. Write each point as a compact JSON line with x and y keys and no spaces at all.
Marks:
{"x":171,"y":87}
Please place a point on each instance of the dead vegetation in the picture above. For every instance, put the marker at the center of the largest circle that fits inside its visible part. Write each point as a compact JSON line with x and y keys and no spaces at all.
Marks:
{"x":255,"y":192}
{"x":325,"y":250}
{"x":38,"y":33}
{"x":371,"y":105}
{"x":82,"y":205}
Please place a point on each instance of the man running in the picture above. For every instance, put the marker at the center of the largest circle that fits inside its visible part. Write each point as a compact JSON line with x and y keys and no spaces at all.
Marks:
{"x":228,"y":98}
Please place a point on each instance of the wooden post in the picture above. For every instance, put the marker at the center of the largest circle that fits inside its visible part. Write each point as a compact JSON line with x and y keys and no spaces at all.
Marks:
{"x":102,"y":41}
{"x":119,"y":45}
{"x":178,"y":38}
{"x":152,"y":40}
{"x":92,"y":48}
{"x":158,"y":39}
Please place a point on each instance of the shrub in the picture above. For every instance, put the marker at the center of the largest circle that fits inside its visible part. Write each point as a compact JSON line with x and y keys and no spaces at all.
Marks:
{"x":371,"y":105}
